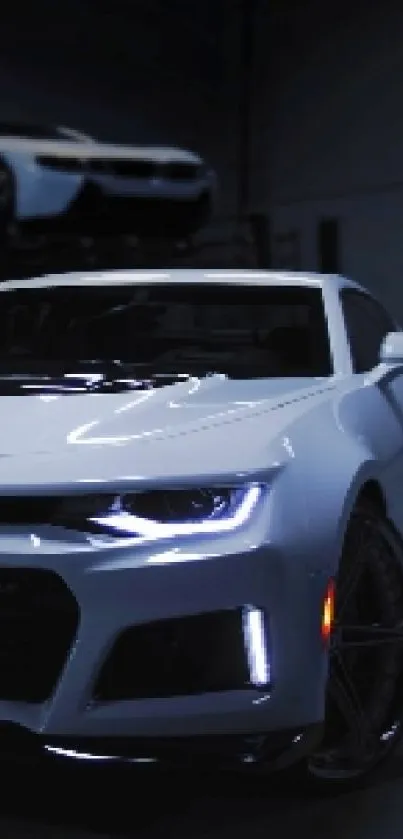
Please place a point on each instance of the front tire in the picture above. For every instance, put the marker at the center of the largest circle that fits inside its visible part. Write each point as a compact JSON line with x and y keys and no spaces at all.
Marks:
{"x":364,"y":701}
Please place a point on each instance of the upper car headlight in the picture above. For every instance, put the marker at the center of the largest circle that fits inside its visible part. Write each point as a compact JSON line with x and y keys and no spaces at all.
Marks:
{"x":163,"y":514}
{"x":59,"y":163}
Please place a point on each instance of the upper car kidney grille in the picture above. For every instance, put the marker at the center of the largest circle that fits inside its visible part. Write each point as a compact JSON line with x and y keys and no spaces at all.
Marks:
{"x":125,"y":168}
{"x":39,"y":619}
{"x":143,"y":169}
{"x":181,"y":171}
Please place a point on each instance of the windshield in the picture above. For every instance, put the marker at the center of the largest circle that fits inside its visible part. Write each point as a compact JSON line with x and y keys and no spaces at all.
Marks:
{"x":242,"y":331}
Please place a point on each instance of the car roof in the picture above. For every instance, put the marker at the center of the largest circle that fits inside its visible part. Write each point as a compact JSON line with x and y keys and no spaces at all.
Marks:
{"x":179,"y":276}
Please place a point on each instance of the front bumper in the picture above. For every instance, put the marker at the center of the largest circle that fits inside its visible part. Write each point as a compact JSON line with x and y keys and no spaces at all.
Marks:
{"x":271,"y":751}
{"x":95,"y":212}
{"x":120,"y":590}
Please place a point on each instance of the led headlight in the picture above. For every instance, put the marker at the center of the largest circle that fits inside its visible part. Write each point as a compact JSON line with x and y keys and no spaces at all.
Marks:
{"x":163,"y":514}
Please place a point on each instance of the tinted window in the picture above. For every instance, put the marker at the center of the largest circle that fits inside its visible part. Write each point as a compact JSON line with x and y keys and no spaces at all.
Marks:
{"x":240,"y":330}
{"x":367,"y":324}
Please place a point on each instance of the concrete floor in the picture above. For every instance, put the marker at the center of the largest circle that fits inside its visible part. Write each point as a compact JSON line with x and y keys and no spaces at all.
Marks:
{"x":66,"y":804}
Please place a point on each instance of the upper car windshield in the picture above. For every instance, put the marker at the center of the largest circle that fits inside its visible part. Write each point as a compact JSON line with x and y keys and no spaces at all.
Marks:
{"x":242,"y":331}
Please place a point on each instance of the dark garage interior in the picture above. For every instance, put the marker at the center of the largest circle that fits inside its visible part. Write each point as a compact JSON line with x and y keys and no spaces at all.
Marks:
{"x":286,"y":123}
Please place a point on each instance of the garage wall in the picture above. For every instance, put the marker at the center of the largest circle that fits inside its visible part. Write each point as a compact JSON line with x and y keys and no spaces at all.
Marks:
{"x":336,"y":148}
{"x":130,"y":71}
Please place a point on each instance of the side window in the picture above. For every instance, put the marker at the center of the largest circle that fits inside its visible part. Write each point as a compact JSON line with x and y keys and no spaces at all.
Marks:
{"x":367,"y":323}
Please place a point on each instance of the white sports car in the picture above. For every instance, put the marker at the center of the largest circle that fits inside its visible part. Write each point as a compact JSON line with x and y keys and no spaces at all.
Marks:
{"x":201,"y":517}
{"x":58,"y":181}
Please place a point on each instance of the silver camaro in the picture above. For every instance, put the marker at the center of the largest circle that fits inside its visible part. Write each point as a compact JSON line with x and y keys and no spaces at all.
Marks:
{"x":201,"y":517}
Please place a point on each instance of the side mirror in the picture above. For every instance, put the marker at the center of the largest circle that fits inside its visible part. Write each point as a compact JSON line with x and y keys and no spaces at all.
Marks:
{"x":391,"y":351}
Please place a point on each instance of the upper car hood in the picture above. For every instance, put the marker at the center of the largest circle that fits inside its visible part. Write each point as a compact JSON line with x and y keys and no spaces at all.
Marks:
{"x":94,"y":149}
{"x":192,"y":428}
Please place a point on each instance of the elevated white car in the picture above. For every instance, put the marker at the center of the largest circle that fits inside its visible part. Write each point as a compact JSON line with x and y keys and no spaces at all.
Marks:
{"x":56,"y":180}
{"x":201,"y":518}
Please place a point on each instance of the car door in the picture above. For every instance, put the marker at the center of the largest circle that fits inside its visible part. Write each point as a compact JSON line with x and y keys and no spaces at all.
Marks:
{"x":367,"y":324}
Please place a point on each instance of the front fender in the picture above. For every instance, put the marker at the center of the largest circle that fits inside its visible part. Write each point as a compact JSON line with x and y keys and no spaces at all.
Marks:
{"x":40,"y":191}
{"x":314,"y":495}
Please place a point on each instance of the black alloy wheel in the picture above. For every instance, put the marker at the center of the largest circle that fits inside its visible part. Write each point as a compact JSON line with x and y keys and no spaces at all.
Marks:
{"x":364,"y":703}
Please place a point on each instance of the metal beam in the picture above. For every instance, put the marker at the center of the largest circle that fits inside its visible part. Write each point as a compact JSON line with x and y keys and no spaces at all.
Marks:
{"x":247,"y":53}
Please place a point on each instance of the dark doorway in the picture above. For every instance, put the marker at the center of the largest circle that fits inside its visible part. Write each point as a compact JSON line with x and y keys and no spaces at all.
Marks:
{"x":328,"y":246}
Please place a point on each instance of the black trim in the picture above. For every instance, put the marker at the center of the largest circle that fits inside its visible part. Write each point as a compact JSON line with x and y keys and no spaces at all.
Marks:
{"x":39,"y":618}
{"x":93,"y":213}
{"x":185,"y":656}
{"x":268,"y":750}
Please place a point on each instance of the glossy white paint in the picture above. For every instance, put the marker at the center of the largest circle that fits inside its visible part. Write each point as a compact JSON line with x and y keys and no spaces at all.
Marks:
{"x":312,"y":443}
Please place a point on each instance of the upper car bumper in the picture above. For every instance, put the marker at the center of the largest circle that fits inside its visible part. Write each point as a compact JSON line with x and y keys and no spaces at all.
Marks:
{"x":121,"y":589}
{"x":96,"y":211}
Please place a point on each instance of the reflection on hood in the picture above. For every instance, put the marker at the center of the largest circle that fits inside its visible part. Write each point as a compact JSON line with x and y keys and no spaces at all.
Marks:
{"x":28,"y":384}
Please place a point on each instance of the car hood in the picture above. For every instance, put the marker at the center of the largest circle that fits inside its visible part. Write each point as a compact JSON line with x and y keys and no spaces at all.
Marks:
{"x":199,"y":427}
{"x":93,"y":150}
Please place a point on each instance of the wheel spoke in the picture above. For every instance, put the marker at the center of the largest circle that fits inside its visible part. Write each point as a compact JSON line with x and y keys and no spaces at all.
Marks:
{"x":365,"y":652}
{"x":372,"y":635}
{"x":348,"y":703}
{"x":348,"y":585}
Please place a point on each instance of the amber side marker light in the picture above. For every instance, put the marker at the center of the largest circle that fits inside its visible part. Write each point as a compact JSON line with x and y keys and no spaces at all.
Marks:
{"x":327,"y":624}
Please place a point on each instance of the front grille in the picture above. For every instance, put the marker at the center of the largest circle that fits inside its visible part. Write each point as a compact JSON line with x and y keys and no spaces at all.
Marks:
{"x":142,"y":169}
{"x":70,"y":511}
{"x":38,"y":623}
{"x":177,"y":657}
{"x":181,"y":171}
